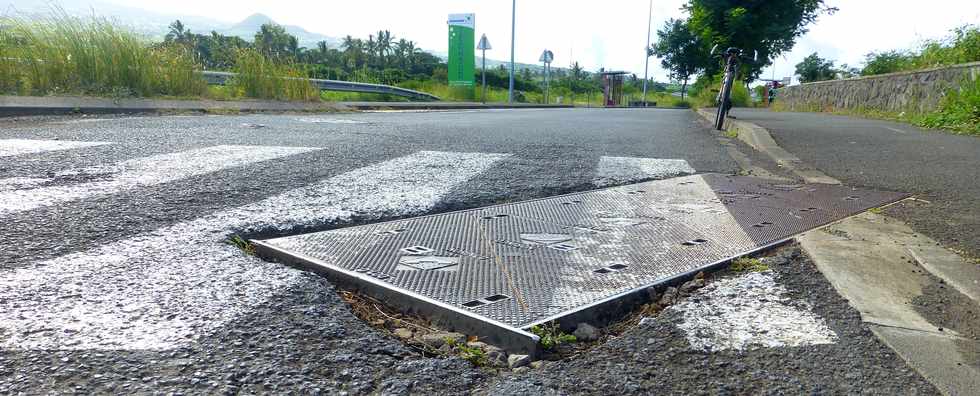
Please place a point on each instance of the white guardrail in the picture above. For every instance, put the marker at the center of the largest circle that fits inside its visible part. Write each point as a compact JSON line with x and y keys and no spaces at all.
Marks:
{"x":220,"y":78}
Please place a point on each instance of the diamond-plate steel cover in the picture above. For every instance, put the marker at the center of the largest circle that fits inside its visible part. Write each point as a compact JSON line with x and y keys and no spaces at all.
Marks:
{"x":515,"y":265}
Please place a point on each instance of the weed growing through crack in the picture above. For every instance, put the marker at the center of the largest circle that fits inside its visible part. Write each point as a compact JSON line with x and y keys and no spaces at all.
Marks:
{"x":471,"y":354}
{"x":748,"y":264}
{"x":731,"y":134}
{"x":242,"y":244}
{"x":876,"y":210}
{"x":552,"y":336}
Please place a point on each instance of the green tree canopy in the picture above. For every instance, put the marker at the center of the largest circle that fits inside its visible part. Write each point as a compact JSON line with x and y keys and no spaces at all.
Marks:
{"x":814,"y":68}
{"x":681,"y":51}
{"x":273,"y":41}
{"x":767,"y":26}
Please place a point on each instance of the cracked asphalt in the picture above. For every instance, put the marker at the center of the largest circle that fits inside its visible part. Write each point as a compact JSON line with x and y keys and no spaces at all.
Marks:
{"x":284,"y":331}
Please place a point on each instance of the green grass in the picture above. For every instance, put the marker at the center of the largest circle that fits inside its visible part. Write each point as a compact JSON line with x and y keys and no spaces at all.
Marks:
{"x":748,"y":264}
{"x":242,"y":244}
{"x":61,"y":54}
{"x":262,"y":78}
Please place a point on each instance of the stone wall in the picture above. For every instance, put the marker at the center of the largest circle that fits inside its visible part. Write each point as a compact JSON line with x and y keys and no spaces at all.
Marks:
{"x":917,"y":91}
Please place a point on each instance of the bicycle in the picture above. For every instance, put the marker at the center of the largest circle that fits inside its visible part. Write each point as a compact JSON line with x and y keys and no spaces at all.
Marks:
{"x":724,"y":99}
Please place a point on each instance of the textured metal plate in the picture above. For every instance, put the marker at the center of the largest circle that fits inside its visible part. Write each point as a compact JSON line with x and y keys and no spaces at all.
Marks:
{"x":519,"y":264}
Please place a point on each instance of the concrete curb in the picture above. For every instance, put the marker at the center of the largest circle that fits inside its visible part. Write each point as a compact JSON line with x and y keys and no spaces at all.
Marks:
{"x":876,"y":263}
{"x":52,"y":105}
{"x":446,"y":106}
{"x":759,"y":138}
{"x":60,"y":105}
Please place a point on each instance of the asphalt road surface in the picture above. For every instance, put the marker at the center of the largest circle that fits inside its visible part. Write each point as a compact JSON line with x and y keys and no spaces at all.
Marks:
{"x":941,"y":168}
{"x":116,"y":278}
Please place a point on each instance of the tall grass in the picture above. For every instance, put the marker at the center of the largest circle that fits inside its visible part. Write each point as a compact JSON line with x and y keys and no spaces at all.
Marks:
{"x":263,"y":78}
{"x":58,"y":53}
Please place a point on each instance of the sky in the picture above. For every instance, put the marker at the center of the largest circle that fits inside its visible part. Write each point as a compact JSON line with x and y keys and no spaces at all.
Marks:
{"x":609,"y":33}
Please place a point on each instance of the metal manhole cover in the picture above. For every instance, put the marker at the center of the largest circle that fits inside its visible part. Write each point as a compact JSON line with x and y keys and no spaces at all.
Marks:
{"x":568,"y":256}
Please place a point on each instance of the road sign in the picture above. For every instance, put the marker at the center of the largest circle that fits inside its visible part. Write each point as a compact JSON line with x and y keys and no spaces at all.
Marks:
{"x":484,"y":44}
{"x":461,"y":55}
{"x":547,"y":56}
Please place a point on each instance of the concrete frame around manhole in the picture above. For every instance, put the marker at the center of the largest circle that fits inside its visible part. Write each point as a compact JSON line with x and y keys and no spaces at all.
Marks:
{"x":645,"y":235}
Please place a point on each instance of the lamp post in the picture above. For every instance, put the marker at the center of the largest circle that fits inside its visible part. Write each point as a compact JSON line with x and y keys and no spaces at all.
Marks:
{"x":646,"y":52}
{"x":513,"y":23}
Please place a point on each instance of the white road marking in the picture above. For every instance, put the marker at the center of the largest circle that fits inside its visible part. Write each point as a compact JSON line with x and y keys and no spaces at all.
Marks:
{"x":20,"y":183}
{"x":320,"y":120}
{"x":165,"y":288}
{"x":895,"y":129}
{"x":148,"y":171}
{"x":10,"y":147}
{"x":620,"y":170}
{"x":749,"y":310}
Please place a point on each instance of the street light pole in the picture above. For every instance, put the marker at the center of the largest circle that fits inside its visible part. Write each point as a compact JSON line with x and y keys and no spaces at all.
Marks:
{"x":646,"y":54}
{"x":513,"y":30}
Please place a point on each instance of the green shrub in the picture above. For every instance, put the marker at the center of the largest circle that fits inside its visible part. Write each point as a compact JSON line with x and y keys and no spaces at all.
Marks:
{"x":959,"y":111}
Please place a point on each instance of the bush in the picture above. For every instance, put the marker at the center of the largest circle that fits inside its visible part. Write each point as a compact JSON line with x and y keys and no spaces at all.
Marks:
{"x":959,"y":110}
{"x":58,"y":53}
{"x":262,"y":78}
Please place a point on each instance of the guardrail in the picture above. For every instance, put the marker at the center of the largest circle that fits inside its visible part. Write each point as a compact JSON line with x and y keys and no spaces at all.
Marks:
{"x":221,"y":78}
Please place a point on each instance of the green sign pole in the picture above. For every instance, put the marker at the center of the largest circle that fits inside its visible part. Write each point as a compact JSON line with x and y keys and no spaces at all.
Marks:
{"x":462,"y":58}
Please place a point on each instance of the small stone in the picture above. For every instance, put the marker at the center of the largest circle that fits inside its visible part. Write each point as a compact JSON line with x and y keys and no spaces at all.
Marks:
{"x":669,"y":296}
{"x":647,"y":321}
{"x":521,"y":369}
{"x":378,"y":322}
{"x":477,"y":344}
{"x":585,"y":332}
{"x":403,"y":333}
{"x":515,"y":361}
{"x":538,"y":364}
{"x":692,"y":285}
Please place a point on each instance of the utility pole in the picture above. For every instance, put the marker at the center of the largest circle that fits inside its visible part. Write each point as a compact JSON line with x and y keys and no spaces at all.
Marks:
{"x":646,"y":53}
{"x":513,"y":30}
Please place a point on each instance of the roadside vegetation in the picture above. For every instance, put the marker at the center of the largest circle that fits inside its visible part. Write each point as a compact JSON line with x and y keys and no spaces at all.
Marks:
{"x":60,"y":54}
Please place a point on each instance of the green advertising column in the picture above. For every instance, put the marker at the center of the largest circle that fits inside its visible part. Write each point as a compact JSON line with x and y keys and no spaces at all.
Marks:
{"x":462,"y":59}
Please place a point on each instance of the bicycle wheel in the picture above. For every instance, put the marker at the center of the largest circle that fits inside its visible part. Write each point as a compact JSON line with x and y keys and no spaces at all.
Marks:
{"x":722,"y":108}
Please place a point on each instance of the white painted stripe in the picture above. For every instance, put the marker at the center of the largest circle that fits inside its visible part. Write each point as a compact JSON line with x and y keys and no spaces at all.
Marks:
{"x":622,"y":170}
{"x":148,"y":171}
{"x":19,"y":183}
{"x":165,"y":288}
{"x":10,"y":147}
{"x":321,"y":120}
{"x":749,"y":310}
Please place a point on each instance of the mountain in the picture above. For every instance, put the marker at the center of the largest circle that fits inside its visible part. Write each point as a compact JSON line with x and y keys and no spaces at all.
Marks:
{"x":246,"y":29}
{"x":156,"y":25}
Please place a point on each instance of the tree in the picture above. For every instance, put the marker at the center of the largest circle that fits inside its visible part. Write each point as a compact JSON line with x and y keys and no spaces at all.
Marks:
{"x":680,"y":51}
{"x":814,"y":68}
{"x":273,"y":41}
{"x":767,"y":26}
{"x":885,"y":62}
{"x":178,"y":33}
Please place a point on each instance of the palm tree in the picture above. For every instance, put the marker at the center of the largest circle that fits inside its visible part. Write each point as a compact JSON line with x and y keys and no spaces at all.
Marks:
{"x":384,"y":45}
{"x":178,"y":33}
